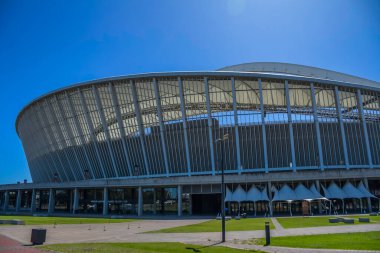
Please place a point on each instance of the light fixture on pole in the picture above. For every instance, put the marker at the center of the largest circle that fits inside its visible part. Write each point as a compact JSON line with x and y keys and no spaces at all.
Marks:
{"x":223,"y":192}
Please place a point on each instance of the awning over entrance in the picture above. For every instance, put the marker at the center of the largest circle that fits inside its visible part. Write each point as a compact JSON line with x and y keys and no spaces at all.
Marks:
{"x":352,"y":191}
{"x":364,"y":190}
{"x":284,"y":194}
{"x":240,"y":195}
{"x":334,"y":192}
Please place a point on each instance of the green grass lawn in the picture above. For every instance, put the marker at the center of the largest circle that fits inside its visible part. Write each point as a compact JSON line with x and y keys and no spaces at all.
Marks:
{"x":302,"y":222}
{"x":138,"y":248}
{"x":34,"y":220}
{"x":348,"y":241}
{"x":215,"y":226}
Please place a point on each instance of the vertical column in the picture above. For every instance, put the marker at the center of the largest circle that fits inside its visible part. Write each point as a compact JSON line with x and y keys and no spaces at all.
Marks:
{"x":318,"y":186}
{"x":33,"y":202}
{"x":342,"y":132}
{"x":236,"y":125}
{"x":179,"y":202}
{"x":161,"y":122}
{"x":76,"y":201}
{"x":270,"y":198}
{"x":155,"y":200}
{"x":317,"y":129}
{"x":140,"y":126}
{"x":290,"y":122}
{"x":105,"y":201}
{"x":365,"y":131}
{"x":18,"y":201}
{"x":264,"y":135}
{"x":190,"y":205}
{"x":91,"y":129}
{"x":368,"y":199}
{"x":140,"y":202}
{"x":6,"y":200}
{"x":81,"y":135}
{"x":105,"y":128}
{"x":209,"y":117}
{"x":184,"y":123}
{"x":51,"y":201}
{"x":115,"y":104}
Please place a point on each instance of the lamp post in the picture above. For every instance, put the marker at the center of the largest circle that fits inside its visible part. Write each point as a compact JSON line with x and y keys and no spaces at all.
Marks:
{"x":223,"y":211}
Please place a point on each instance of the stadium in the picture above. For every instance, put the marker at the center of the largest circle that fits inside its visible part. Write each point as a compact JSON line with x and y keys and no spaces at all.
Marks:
{"x":291,"y":140}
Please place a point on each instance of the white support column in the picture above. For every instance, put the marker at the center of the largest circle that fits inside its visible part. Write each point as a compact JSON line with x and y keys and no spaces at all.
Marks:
{"x":342,"y":132}
{"x":318,"y":187}
{"x":91,"y":129}
{"x":290,"y":122}
{"x":105,"y":128}
{"x":115,"y":104}
{"x":317,"y":128}
{"x":51,"y":205}
{"x":33,"y":202}
{"x":140,"y":202}
{"x":105,"y":201}
{"x":140,"y":126}
{"x":18,"y":201}
{"x":209,"y":117}
{"x":368,"y":199}
{"x":365,"y":131}
{"x":162,"y":127}
{"x":81,"y":136}
{"x":184,"y":123}
{"x":270,"y":198}
{"x":76,"y":201}
{"x":236,"y":126}
{"x":264,"y":135}
{"x":6,"y":200}
{"x":179,"y":202}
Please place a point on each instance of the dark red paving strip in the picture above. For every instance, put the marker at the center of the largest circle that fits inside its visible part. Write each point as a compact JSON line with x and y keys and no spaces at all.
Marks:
{"x":8,"y":245}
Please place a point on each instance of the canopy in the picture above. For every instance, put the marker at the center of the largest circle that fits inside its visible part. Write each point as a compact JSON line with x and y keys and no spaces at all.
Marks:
{"x":334,"y":192}
{"x":352,"y":192}
{"x":264,"y":195}
{"x":315,"y":192}
{"x":239,"y":194}
{"x":303,"y":193}
{"x":253,"y":194}
{"x":364,"y":190}
{"x":228,"y":195}
{"x":284,"y":194}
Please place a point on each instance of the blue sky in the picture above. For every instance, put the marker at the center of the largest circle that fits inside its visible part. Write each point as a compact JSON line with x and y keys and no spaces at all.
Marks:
{"x":45,"y":45}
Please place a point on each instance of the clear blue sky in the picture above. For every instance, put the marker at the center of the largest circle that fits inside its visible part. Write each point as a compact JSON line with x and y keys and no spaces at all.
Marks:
{"x":45,"y":45}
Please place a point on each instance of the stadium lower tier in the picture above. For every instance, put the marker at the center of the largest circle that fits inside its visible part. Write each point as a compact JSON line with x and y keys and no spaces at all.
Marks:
{"x":292,"y":193}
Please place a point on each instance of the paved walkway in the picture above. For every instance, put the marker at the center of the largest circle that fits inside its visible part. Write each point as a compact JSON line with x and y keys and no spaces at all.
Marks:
{"x":134,"y":232}
{"x":8,"y":245}
{"x":277,"y":224}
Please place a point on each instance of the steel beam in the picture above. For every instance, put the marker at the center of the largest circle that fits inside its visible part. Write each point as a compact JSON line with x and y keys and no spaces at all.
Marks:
{"x":342,"y":132}
{"x":290,"y":122}
{"x":365,"y":131}
{"x":184,"y":123}
{"x":209,"y":117}
{"x":316,"y":125}
{"x":91,"y":129}
{"x":236,"y":126}
{"x":162,"y":127}
{"x":80,"y":133}
{"x":115,"y":104}
{"x":264,"y":135}
{"x":140,"y":125}
{"x":105,"y":128}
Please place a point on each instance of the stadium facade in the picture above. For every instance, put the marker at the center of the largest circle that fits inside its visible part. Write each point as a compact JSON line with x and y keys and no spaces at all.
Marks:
{"x":291,"y":139}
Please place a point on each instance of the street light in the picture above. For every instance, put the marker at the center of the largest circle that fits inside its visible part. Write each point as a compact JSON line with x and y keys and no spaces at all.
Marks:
{"x":225,"y":137}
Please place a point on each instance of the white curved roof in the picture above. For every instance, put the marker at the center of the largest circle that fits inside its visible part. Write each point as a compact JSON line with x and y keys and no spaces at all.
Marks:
{"x":299,"y":70}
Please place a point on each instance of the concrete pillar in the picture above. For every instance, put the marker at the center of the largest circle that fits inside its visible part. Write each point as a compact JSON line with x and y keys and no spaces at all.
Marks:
{"x":318,"y":186}
{"x":190,"y":205}
{"x":270,"y":198}
{"x":76,"y":201}
{"x":155,"y":201}
{"x":51,"y":201}
{"x":140,"y":202}
{"x":368,"y":199}
{"x":18,"y":201}
{"x":33,"y":202}
{"x":179,"y":202}
{"x":105,"y":201}
{"x":6,"y":201}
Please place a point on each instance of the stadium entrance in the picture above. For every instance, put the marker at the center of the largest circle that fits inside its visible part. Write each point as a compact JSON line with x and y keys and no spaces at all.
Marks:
{"x":206,"y":204}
